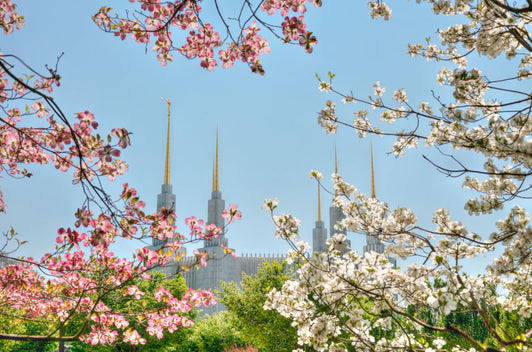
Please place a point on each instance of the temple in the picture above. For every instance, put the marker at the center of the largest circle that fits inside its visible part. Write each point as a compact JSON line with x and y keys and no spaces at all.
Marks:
{"x":223,"y":267}
{"x":372,"y":242}
{"x":166,"y":199}
{"x":336,"y":214}
{"x":319,"y":233}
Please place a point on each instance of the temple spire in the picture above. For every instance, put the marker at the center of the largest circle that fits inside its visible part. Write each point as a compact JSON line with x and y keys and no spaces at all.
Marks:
{"x":167,"y":159}
{"x":165,"y":199}
{"x":213,"y":165}
{"x":319,"y":232}
{"x":373,"y":242}
{"x":216,"y":204}
{"x":215,"y":171}
{"x":319,"y":203}
{"x":336,"y":214}
{"x":335,"y":161}
{"x":373,"y":193}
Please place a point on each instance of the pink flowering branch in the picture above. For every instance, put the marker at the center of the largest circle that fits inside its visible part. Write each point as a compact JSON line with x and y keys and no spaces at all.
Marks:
{"x":157,"y":21}
{"x":83,"y":271}
{"x":67,"y":145}
{"x":71,"y":284}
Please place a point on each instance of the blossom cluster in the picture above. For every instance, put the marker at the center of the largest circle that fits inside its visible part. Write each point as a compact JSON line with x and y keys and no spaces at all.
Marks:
{"x":161,"y":19}
{"x":341,"y":298}
{"x":503,"y":137}
{"x":84,"y":270}
{"x":10,"y":19}
{"x":35,"y":132}
{"x":70,"y":284}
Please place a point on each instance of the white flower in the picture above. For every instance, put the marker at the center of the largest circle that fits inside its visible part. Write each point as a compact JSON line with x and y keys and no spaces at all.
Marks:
{"x":379,"y":9}
{"x":324,"y":86}
{"x":316,"y":175}
{"x":270,"y":204}
{"x":303,"y":246}
{"x":432,"y":301}
{"x":439,"y":343}
{"x":348,"y":99}
{"x":378,"y":90}
{"x":286,"y":226}
{"x":425,"y":107}
{"x":400,"y":96}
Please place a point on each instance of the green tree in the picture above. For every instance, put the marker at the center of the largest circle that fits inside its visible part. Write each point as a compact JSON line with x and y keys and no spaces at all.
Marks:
{"x":265,"y":329}
{"x":216,"y":333}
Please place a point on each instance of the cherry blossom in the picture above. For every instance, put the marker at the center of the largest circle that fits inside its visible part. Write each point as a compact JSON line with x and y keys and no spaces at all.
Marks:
{"x":10,"y":19}
{"x":232,"y":213}
{"x":71,"y":283}
{"x":162,"y":21}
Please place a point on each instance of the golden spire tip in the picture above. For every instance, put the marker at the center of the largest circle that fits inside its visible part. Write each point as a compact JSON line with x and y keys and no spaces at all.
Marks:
{"x":373,"y":193}
{"x":215,"y":171}
{"x":167,"y":159}
{"x":335,"y":161}
{"x":319,"y":203}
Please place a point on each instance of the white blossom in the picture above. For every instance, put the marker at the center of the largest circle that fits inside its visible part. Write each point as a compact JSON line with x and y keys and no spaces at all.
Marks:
{"x":324,"y":86}
{"x":378,"y":90}
{"x":316,"y":175}
{"x":270,"y":204}
{"x":400,"y":96}
{"x":340,"y":298}
{"x":379,"y":9}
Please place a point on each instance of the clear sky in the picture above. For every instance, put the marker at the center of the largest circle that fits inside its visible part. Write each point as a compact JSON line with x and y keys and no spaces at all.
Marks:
{"x":269,"y":137}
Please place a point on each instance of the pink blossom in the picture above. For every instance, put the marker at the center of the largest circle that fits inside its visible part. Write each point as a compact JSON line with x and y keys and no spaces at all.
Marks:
{"x":160,"y":23}
{"x":202,"y":256}
{"x":2,"y":203}
{"x":133,"y":337}
{"x":230,"y":251}
{"x":135,"y":292}
{"x":232,"y":213}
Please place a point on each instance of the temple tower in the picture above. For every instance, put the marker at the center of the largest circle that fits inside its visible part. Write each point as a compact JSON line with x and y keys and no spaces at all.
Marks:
{"x":216,"y":204}
{"x":372,"y":242}
{"x":335,"y":213}
{"x":166,"y":199}
{"x":319,"y":233}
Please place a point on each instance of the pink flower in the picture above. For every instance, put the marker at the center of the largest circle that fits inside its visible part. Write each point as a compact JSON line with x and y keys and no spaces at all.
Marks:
{"x":196,"y":226}
{"x":212,"y":231}
{"x":162,"y":294}
{"x":39,"y":109}
{"x":232,"y":213}
{"x":202,"y":256}
{"x":135,"y":292}
{"x":230,"y":251}
{"x":147,"y":256}
{"x":2,"y":203}
{"x":133,"y":337}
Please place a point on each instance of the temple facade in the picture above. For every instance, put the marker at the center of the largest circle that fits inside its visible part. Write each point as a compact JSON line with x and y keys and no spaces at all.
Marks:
{"x":223,"y":267}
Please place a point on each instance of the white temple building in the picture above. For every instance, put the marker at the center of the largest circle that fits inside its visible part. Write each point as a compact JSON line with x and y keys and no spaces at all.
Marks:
{"x":223,"y":267}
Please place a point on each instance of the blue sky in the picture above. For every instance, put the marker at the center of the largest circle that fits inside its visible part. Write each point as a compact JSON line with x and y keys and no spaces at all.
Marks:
{"x":269,"y":138}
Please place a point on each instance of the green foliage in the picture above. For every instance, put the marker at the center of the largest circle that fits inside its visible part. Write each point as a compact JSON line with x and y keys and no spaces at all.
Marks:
{"x":508,"y":325}
{"x":24,"y":328}
{"x":215,"y":333}
{"x":266,"y":330}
